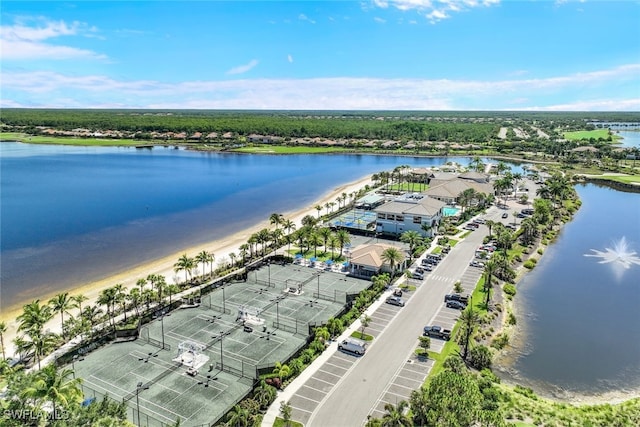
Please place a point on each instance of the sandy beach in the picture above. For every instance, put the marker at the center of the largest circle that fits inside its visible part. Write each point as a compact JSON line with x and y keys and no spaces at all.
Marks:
{"x":221,"y":248}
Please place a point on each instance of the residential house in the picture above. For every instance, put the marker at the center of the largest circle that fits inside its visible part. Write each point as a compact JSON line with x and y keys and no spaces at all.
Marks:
{"x":366,"y":260}
{"x":415,"y":212}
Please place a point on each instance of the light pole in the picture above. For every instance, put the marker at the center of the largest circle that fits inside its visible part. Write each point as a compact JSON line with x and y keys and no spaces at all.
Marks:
{"x":73,"y":365}
{"x":138,"y":389}
{"x":277,"y":301}
{"x":224,"y":307}
{"x":318,"y":296}
{"x":162,"y":326}
{"x":269,"y":267}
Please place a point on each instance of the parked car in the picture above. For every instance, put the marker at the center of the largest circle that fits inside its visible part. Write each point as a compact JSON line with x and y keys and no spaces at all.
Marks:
{"x":397,"y":292}
{"x":456,"y":297}
{"x":456,"y":304}
{"x":395,"y":301}
{"x":352,"y":346}
{"x":479,"y":221}
{"x":475,"y":263}
{"x":505,"y":215}
{"x":419,"y":270}
{"x":417,"y":275}
{"x":192,"y":372}
{"x":428,"y":267}
{"x":437,"y":332}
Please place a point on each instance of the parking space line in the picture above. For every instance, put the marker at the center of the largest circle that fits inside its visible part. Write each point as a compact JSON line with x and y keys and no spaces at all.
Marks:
{"x":328,"y":373}
{"x":301,"y":410}
{"x":337,"y":366}
{"x":306,"y":398}
{"x":321,"y":380}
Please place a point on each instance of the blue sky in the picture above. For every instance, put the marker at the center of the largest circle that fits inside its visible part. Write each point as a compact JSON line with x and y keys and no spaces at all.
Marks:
{"x":375,"y":55}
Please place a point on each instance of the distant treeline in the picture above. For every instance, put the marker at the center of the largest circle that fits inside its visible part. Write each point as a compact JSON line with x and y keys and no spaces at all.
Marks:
{"x":459,"y":126}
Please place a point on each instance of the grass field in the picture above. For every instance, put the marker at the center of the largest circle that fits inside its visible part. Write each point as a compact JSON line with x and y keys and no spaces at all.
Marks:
{"x":21,"y":137}
{"x":622,"y":178}
{"x":408,"y":186}
{"x":283,"y":149}
{"x":587,"y":134}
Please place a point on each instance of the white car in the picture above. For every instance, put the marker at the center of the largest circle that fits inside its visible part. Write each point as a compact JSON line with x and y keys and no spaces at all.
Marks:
{"x":395,"y":301}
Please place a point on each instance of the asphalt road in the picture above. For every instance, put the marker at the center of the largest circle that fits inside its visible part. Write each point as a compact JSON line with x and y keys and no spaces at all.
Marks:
{"x":358,"y":391}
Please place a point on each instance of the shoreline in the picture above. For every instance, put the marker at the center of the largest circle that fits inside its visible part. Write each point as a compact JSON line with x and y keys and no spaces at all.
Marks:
{"x":505,"y":359}
{"x":221,"y":248}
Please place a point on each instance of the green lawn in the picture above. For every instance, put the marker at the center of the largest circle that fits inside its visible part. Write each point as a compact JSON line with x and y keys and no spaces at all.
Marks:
{"x":626,"y":178}
{"x":408,"y":186}
{"x":284,"y":149}
{"x":14,"y":136}
{"x":587,"y":134}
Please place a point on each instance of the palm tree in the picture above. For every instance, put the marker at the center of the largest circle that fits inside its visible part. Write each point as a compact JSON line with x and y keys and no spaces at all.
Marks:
{"x":3,"y":329}
{"x":34,"y":316}
{"x":244,"y":251}
{"x":276,"y":219}
{"x":412,"y":238}
{"x":529,"y":231}
{"x":61,"y":303}
{"x":108,"y":298}
{"x":120,"y":298}
{"x":141,"y":283}
{"x":185,"y":264}
{"x":393,"y":257}
{"x":309,"y":221}
{"x":202,"y":258}
{"x":210,"y":260}
{"x":333,"y":244}
{"x":319,"y":209}
{"x":314,"y":240}
{"x":160,"y":285}
{"x":343,"y":238}
{"x":489,"y":268}
{"x":289,"y":225}
{"x":476,"y":164}
{"x":502,"y":167}
{"x":469,"y":320}
{"x":264,"y":236}
{"x":92,"y":314}
{"x":232,"y":257}
{"x":41,"y":343}
{"x":78,"y":300}
{"x":396,"y":415}
{"x":171,"y":290}
{"x":365,"y":321}
{"x":490,"y":225}
{"x":325,"y":234}
{"x":135,"y":296}
{"x":57,"y":387}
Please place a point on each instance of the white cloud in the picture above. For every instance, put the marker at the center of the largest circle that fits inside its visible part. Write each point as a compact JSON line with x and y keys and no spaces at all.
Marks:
{"x":434,"y":10}
{"x":25,"y":40}
{"x":632,"y":104}
{"x":290,"y":58}
{"x":240,"y":69}
{"x":579,"y":91}
{"x":379,"y":20}
{"x":303,"y":17}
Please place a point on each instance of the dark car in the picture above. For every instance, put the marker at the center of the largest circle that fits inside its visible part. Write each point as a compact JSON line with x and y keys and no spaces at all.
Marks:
{"x":456,"y":297}
{"x":456,"y":304}
{"x":505,"y":215}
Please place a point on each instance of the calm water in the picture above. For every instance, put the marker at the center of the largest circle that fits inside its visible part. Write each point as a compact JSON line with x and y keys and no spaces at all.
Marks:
{"x":631,"y":138}
{"x":582,"y":331}
{"x":73,"y":215}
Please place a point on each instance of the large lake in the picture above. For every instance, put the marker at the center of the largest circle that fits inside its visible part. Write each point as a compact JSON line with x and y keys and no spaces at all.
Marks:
{"x":72,"y":215}
{"x":579,"y":315}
